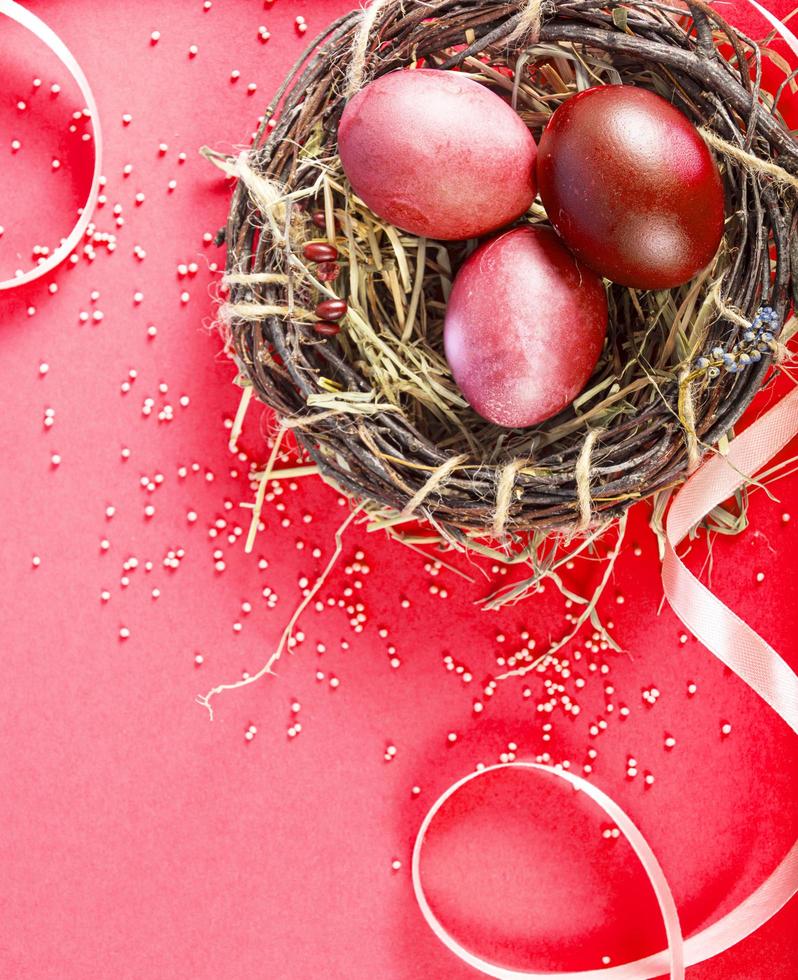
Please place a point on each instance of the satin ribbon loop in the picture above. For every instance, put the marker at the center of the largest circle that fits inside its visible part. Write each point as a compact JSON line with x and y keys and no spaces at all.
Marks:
{"x":737,"y":646}
{"x":732,"y":641}
{"x":45,"y":34}
{"x":671,"y":961}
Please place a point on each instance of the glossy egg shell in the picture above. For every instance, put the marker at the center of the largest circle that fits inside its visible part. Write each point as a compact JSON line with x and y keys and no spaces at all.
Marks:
{"x":525,"y":325}
{"x":437,"y":154}
{"x":631,"y":187}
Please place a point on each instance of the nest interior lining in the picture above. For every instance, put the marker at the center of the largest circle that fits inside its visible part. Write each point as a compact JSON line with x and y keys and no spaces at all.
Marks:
{"x":376,"y":406}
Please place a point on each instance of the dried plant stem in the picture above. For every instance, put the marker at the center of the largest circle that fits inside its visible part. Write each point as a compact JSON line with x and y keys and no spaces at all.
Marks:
{"x":268,"y":667}
{"x":261,"y":494}
{"x":589,"y":612}
{"x":238,"y":421}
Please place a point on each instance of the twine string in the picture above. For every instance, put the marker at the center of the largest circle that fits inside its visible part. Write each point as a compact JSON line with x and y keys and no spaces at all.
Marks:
{"x":528,"y":27}
{"x":730,"y":313}
{"x":357,"y":64}
{"x":504,"y":494}
{"x":687,"y":407}
{"x":750,"y":161}
{"x":582,"y":478}
{"x":436,"y":480}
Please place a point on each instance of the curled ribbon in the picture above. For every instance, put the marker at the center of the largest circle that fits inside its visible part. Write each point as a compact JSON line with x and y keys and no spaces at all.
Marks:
{"x":664,"y":896}
{"x":45,"y":34}
{"x":742,"y":650}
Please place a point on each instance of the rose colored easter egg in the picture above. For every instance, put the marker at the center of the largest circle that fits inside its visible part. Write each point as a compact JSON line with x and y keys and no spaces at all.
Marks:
{"x":437,"y":154}
{"x":525,"y":325}
{"x":631,"y":187}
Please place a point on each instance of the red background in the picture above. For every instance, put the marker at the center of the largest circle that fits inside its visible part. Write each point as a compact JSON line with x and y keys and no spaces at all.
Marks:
{"x":138,"y":839}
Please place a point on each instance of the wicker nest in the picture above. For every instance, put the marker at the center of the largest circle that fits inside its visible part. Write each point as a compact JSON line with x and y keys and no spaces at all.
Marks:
{"x":375,"y":406}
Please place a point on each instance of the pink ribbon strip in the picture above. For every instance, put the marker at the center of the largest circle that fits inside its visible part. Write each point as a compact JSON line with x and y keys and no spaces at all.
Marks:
{"x":738,"y":647}
{"x":673,"y":957}
{"x":56,"y":45}
{"x":780,"y":28}
{"x":719,"y":629}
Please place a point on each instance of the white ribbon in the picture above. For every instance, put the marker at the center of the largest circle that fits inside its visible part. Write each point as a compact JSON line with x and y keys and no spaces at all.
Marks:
{"x":780,"y":28}
{"x":667,"y":905}
{"x":739,"y":648}
{"x":742,"y":650}
{"x":741,"y":922}
{"x":56,"y":45}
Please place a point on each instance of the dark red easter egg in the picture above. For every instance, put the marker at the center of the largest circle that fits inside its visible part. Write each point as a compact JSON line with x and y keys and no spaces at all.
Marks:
{"x":631,"y":187}
{"x":525,"y":325}
{"x":437,"y":154}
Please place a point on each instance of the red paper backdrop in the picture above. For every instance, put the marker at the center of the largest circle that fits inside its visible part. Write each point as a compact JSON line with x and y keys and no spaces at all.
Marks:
{"x":137,"y":839}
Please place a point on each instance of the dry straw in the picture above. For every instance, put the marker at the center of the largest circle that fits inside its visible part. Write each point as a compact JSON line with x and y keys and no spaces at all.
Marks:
{"x":375,"y":408}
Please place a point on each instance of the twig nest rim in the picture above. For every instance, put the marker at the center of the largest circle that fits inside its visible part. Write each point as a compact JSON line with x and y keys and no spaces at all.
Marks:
{"x":375,"y":405}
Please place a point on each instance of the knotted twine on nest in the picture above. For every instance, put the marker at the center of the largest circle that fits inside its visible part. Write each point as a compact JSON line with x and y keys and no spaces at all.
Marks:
{"x":376,"y":407}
